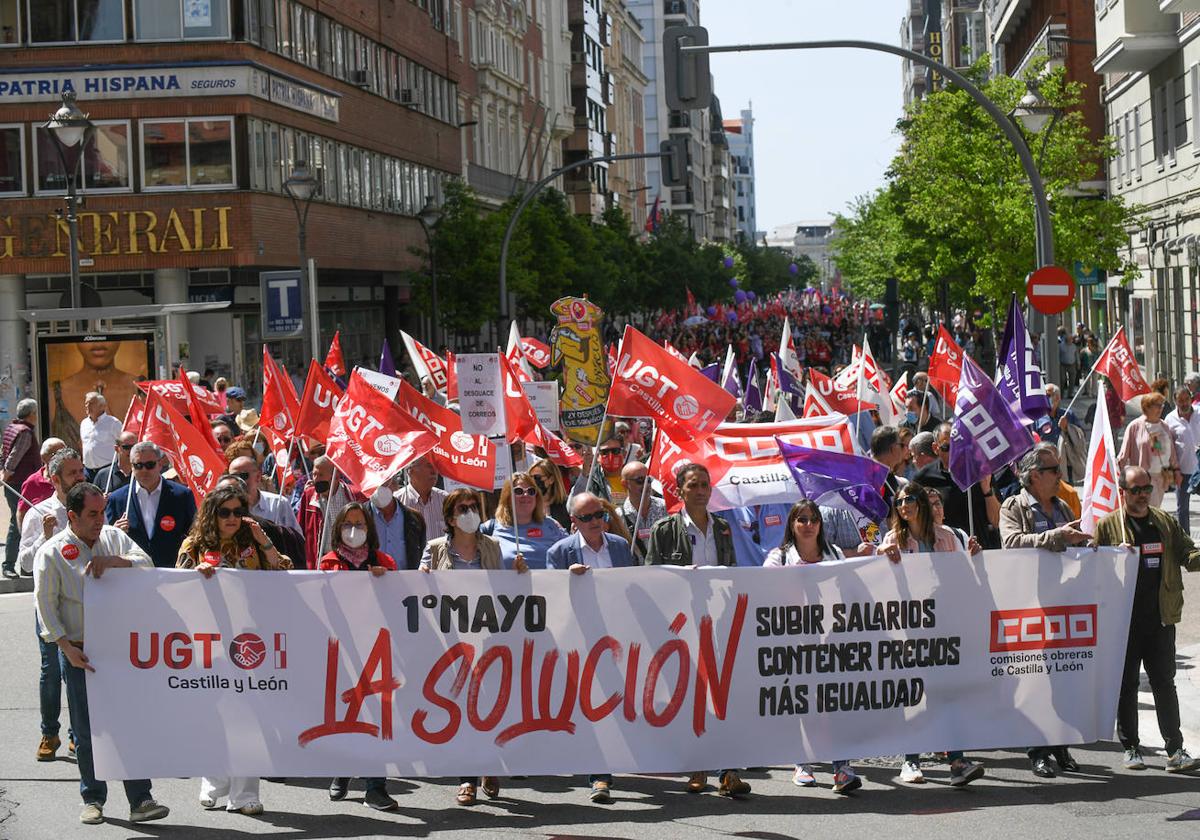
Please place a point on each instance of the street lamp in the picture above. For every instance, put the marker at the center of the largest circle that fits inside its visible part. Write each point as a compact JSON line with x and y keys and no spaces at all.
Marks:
{"x":302,"y":187}
{"x":71,"y":128}
{"x":429,"y":217}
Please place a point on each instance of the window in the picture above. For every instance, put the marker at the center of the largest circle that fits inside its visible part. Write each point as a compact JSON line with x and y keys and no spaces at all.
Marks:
{"x":174,"y":20}
{"x":10,"y":23}
{"x":67,"y":21}
{"x":12,"y":160}
{"x":105,"y":163}
{"x":177,"y":154}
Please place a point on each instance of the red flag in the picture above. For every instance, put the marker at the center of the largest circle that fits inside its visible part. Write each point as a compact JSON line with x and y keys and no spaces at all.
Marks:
{"x":156,"y":424}
{"x":536,"y":353}
{"x":321,"y":394}
{"x":371,"y":438}
{"x":691,"y":301}
{"x":612,"y":361}
{"x":335,"y":362}
{"x":196,"y":463}
{"x":945,"y":365}
{"x":451,"y":376}
{"x":557,"y":450}
{"x":279,"y":410}
{"x":841,"y":399}
{"x":173,"y":391}
{"x":199,"y":417}
{"x":282,"y":452}
{"x":522,"y":420}
{"x":1101,"y":492}
{"x":668,"y":346}
{"x":649,"y":382}
{"x":468,"y":459}
{"x":425,"y":362}
{"x":135,"y":416}
{"x":1118,"y":363}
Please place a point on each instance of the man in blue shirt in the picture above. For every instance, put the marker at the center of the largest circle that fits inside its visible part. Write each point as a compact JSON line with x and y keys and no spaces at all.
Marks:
{"x":756,"y":530}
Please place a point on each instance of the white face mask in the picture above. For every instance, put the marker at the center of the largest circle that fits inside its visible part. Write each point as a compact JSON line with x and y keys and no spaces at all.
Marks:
{"x":354,"y":536}
{"x":467,"y":522}
{"x":382,"y":497}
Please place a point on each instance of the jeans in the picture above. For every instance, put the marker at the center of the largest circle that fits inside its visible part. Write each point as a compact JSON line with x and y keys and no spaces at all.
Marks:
{"x":49,"y":685}
{"x":1183,"y":503}
{"x":92,"y":790}
{"x":12,"y":542}
{"x":1152,"y":645}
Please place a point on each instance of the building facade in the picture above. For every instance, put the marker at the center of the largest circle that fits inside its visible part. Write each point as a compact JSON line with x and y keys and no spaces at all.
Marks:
{"x":812,"y":239}
{"x":740,"y":135}
{"x":201,"y":112}
{"x":627,"y":114}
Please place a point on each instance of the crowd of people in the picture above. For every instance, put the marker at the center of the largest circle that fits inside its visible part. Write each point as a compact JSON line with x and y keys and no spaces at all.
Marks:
{"x":115,"y":504}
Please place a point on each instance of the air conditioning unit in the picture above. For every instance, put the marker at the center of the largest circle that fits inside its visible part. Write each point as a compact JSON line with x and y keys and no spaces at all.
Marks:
{"x":359,"y":78}
{"x":408,"y":97}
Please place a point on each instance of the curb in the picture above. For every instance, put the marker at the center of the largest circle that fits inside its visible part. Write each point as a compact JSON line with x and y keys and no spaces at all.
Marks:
{"x":1187,"y":684}
{"x":8,"y":586}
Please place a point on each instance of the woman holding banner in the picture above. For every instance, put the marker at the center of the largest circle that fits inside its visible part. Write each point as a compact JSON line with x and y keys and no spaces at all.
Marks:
{"x":225,"y":536}
{"x":463,"y":547}
{"x":914,"y":529}
{"x":355,"y":547}
{"x":528,"y":536}
{"x":804,"y":544}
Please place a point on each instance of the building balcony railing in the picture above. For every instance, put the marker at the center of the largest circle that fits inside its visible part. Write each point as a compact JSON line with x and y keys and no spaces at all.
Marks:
{"x":1133,"y":35}
{"x":1050,"y":42}
{"x":493,"y":183}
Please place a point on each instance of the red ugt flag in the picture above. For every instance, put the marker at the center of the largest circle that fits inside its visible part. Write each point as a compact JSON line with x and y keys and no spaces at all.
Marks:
{"x":279,"y":407}
{"x":468,"y":459}
{"x":945,"y":365}
{"x":1118,"y":363}
{"x":199,"y":417}
{"x":650,"y":382}
{"x":135,"y":416}
{"x":371,"y":438}
{"x":522,"y":420}
{"x":156,"y":424}
{"x":196,"y":462}
{"x":335,"y":362}
{"x":321,"y":394}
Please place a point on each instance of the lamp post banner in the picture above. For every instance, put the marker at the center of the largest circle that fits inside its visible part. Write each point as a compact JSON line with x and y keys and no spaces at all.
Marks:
{"x":646,"y":669}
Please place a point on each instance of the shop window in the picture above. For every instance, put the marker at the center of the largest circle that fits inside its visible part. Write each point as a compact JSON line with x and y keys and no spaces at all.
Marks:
{"x":174,"y":20}
{"x":177,"y":154}
{"x":12,"y":160}
{"x":105,"y":164}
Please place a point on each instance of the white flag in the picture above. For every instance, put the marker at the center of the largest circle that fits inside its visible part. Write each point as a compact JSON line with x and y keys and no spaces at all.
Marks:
{"x":1101,"y":495}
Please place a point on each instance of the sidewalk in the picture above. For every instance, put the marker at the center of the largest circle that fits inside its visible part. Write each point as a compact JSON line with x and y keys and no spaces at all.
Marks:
{"x":19,"y":584}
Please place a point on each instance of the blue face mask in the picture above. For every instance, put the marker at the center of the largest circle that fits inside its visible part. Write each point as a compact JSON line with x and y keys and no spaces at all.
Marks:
{"x":911,"y":418}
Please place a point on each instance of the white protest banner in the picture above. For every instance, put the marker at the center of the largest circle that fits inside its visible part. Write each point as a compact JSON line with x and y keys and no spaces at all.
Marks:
{"x":480,"y":400}
{"x":653,"y":669}
{"x":543,"y":396}
{"x":389,"y":386}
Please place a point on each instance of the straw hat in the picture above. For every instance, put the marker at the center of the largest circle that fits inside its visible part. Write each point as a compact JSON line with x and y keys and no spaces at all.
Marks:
{"x":247,"y":419}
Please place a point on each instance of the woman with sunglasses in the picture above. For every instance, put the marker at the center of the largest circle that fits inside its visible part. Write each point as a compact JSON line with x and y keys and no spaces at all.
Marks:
{"x":804,"y":544}
{"x":915,"y":529}
{"x":354,"y":546}
{"x":225,"y":536}
{"x":937,"y":506}
{"x":463,"y":547}
{"x":549,"y":481}
{"x":532,"y":530}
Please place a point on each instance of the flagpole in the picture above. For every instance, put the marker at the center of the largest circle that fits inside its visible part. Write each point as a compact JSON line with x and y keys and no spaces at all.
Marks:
{"x":512,"y":497}
{"x":637,"y":519}
{"x":333,"y":486}
{"x":17,"y":493}
{"x":108,"y":481}
{"x":1095,"y":364}
{"x":970,"y":511}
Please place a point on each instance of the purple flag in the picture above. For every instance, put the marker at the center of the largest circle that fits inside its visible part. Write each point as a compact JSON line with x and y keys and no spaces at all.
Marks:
{"x":1020,"y":380}
{"x":386,"y":363}
{"x":837,"y":480}
{"x":712,"y":371}
{"x":790,"y":386}
{"x":753,"y":401}
{"x":984,"y":435}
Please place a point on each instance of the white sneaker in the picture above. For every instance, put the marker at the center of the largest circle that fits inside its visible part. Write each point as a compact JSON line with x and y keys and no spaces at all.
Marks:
{"x":803,"y":777}
{"x":207,"y":803}
{"x":963,"y":772}
{"x":1180,"y":762}
{"x":1133,"y":759}
{"x":251,"y":810}
{"x":911,"y":773}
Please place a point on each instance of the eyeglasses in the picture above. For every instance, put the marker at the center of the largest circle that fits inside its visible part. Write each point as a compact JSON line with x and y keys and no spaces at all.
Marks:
{"x":466,"y":509}
{"x":907,"y":500}
{"x":1139,"y":489}
{"x":604,"y":452}
{"x":224,"y":440}
{"x":808,"y":520}
{"x":1055,"y":468}
{"x":944,"y":447}
{"x":524,"y":491}
{"x":145,"y":465}
{"x":225,"y":512}
{"x":244,"y":476}
{"x":588,"y":517}
{"x":125,"y":446}
{"x":637,"y":479}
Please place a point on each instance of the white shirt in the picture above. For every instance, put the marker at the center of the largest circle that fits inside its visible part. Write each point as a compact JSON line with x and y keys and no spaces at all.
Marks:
{"x":99,"y":439}
{"x":32,"y":535}
{"x":778,"y":557}
{"x":595,"y":559}
{"x":431,"y":511}
{"x":1186,"y":434}
{"x":274,"y":508}
{"x":704,"y":545}
{"x":148,"y":502}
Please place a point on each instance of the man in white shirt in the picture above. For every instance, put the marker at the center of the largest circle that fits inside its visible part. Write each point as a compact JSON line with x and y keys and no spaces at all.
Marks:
{"x":269,"y":506}
{"x":86,"y":547}
{"x":98,"y":431}
{"x":1184,"y":423}
{"x":641,"y":509}
{"x":422,"y":495}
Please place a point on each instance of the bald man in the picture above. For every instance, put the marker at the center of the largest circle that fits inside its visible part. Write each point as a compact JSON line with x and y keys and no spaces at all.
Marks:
{"x":98,"y":432}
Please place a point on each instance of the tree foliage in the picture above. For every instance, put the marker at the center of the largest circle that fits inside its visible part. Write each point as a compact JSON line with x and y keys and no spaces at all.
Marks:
{"x":957,"y":206}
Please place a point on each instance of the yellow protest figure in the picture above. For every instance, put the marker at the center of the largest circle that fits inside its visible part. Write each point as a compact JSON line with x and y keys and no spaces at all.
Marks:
{"x":576,"y":343}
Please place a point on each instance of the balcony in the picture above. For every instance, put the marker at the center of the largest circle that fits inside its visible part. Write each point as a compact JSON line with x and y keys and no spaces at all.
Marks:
{"x":1133,"y":36}
{"x":492,"y":183}
{"x":1175,"y":7}
{"x":681,"y":199}
{"x":1048,"y":43}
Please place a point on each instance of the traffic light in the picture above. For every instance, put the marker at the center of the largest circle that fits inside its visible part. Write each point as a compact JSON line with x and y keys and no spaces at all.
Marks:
{"x":688,"y":80}
{"x":674,"y":161}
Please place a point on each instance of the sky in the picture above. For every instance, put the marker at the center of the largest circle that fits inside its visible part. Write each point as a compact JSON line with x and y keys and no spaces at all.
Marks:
{"x":824,"y":120}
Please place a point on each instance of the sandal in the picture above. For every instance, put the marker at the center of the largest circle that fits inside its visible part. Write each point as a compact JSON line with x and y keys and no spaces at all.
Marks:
{"x":491,"y":786}
{"x":466,"y":794}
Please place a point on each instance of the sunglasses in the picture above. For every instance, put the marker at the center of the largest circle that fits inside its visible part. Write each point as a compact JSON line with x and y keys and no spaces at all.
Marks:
{"x":1056,"y":469}
{"x":224,"y":439}
{"x":1139,"y":489}
{"x":807,"y":520}
{"x":907,"y":500}
{"x":466,"y":509}
{"x":524,"y":491}
{"x":225,"y":513}
{"x":145,"y":465}
{"x":588,"y":517}
{"x":604,"y":452}
{"x":945,"y":447}
{"x":244,"y":476}
{"x":125,"y":447}
{"x":637,"y":479}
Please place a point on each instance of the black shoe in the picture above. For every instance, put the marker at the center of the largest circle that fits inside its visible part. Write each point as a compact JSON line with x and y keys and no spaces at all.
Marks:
{"x":10,"y":574}
{"x":338,"y":788}
{"x":1066,"y":763}
{"x":379,"y":800}
{"x":25,"y":574}
{"x":1042,"y":768}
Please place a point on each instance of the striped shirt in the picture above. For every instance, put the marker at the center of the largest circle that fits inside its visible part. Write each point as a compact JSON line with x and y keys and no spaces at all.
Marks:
{"x":431,"y":511}
{"x":58,"y":578}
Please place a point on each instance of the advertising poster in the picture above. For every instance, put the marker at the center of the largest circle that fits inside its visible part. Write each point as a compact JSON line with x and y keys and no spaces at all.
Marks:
{"x":71,"y":366}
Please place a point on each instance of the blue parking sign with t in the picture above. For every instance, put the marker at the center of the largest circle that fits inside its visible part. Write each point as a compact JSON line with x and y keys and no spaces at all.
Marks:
{"x":282,"y":307}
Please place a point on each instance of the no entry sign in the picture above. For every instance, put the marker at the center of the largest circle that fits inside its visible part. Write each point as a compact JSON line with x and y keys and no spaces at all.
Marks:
{"x":1050,"y":290}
